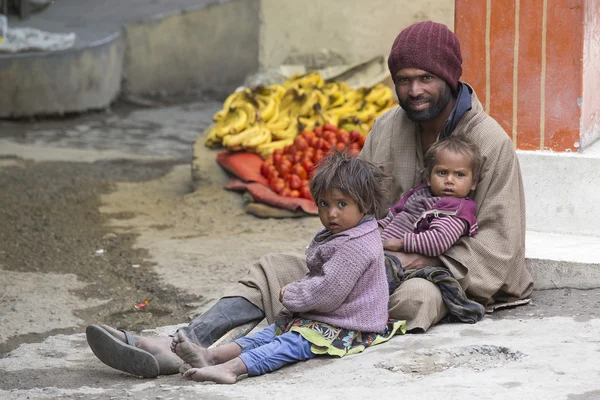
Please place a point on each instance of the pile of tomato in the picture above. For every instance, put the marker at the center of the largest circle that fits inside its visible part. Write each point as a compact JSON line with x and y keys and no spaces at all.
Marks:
{"x":289,"y":170}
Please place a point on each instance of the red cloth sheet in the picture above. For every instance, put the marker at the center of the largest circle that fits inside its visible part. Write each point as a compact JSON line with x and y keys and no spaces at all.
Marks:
{"x":246,"y":168}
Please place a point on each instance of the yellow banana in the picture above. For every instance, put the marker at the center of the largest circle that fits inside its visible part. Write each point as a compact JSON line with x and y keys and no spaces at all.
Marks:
{"x":290,"y":133}
{"x":235,"y":121}
{"x":233,"y":141}
{"x":267,"y":148}
{"x":219,"y":115}
{"x":261,"y":137}
{"x":279,"y":124}
{"x":367,"y":112}
{"x":308,"y":123}
{"x":268,"y":107}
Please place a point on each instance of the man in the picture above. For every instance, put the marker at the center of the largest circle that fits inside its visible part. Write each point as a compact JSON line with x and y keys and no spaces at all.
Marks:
{"x":425,"y":63}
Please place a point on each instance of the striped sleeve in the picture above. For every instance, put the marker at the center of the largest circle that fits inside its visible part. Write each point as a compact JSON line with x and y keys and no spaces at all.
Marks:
{"x":384,"y":222}
{"x":443,"y":232}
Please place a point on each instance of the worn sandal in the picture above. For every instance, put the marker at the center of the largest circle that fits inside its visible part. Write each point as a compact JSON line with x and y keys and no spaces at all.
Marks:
{"x":119,"y":355}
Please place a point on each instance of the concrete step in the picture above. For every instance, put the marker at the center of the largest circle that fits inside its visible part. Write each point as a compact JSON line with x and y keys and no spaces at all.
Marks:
{"x":562,"y":191}
{"x":563,"y":260}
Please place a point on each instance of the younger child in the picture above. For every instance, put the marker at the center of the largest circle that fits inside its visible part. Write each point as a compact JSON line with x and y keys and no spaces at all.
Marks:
{"x":340,"y":307}
{"x":431,"y":217}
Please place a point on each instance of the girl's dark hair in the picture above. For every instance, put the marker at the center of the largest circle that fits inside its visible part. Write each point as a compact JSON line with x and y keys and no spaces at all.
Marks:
{"x":363,"y":181}
{"x":456,"y":144}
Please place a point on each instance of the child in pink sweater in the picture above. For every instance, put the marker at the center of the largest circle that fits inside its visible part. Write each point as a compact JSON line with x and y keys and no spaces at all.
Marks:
{"x":431,"y":217}
{"x":340,"y":307}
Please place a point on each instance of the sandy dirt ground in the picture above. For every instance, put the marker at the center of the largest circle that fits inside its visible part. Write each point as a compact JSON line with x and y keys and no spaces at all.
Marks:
{"x":97,"y":214}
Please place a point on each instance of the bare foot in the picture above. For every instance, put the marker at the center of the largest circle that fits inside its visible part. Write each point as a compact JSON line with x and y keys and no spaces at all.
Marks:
{"x":168,"y":362}
{"x":191,"y":353}
{"x":227,"y":373}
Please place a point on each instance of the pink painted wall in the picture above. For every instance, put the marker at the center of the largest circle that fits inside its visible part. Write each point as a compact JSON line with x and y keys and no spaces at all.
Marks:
{"x":590,"y":107}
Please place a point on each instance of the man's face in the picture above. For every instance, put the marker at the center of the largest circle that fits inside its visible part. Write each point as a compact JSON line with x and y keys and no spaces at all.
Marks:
{"x":422,"y":95}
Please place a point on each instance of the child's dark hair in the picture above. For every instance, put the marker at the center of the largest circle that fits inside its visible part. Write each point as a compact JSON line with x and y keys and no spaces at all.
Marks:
{"x":456,"y":144}
{"x":363,"y":181}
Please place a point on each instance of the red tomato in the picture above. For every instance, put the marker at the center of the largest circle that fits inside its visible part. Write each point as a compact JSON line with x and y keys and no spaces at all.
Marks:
{"x":295,"y":193}
{"x":277,"y":157}
{"x":354,"y":135}
{"x":328,"y":145}
{"x":308,"y":164}
{"x":286,"y":192}
{"x":294,"y":182}
{"x":277,"y":185}
{"x":285,"y":168}
{"x":343,"y":136}
{"x":354,"y":146}
{"x":305,"y":193}
{"x":273,"y":174}
{"x":318,"y":131}
{"x":291,"y":149}
{"x":340,"y":146}
{"x":328,"y":135}
{"x":328,"y":126}
{"x":307,"y":135}
{"x":361,"y":140}
{"x":309,"y":152}
{"x":299,"y":170}
{"x":319,"y":155}
{"x":264,"y":169}
{"x":319,"y":143}
{"x":300,"y":143}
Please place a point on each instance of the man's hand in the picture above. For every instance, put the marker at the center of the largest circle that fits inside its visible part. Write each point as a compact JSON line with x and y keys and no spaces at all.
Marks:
{"x":421,"y":261}
{"x":281,"y":292}
{"x":412,"y":261}
{"x":393,"y":244}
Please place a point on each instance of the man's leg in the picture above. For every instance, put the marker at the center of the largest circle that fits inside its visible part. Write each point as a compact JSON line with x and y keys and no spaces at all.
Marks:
{"x":226,"y":314}
{"x":259,"y":290}
{"x":419,"y":302}
{"x":255,"y":296}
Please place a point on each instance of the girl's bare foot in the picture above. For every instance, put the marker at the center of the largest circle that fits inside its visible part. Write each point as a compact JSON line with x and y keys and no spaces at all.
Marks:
{"x":191,"y":353}
{"x":168,"y":362}
{"x":227,"y":373}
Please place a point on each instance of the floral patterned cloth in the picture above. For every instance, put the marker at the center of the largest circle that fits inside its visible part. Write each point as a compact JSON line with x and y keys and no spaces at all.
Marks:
{"x":328,"y":339}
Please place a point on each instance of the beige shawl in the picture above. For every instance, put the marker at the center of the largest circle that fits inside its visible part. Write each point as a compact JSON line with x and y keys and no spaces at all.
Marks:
{"x":491,"y":265}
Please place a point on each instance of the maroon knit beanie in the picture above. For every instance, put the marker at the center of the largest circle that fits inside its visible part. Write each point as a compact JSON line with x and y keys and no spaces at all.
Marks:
{"x":429,"y":46}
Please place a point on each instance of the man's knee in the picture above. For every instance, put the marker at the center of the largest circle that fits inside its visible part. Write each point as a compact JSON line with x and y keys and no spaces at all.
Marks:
{"x":418,"y":302}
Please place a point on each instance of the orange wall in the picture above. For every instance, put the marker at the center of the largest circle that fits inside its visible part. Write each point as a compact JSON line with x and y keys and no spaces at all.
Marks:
{"x":524,"y":59}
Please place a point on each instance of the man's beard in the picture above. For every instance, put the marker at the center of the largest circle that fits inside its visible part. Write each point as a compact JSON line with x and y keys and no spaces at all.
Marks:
{"x":430,"y":113}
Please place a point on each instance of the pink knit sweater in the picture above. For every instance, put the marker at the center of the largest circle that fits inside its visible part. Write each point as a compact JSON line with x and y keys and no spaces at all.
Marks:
{"x":346,"y":285}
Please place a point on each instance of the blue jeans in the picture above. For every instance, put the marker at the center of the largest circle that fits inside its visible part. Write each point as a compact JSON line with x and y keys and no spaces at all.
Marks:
{"x":264,"y":352}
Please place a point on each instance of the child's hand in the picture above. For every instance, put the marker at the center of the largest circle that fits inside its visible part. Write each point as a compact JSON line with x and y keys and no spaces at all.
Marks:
{"x":393,"y":244}
{"x":281,"y":292}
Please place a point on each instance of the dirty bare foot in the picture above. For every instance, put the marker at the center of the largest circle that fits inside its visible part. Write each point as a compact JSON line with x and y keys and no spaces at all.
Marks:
{"x":227,"y":373}
{"x":191,"y":353}
{"x":168,"y":362}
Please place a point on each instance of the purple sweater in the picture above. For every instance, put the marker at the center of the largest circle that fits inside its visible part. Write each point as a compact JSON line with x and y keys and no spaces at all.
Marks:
{"x":346,"y":285}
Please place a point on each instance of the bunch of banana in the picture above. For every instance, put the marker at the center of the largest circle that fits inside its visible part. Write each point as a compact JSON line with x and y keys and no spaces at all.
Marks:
{"x":268,"y":117}
{"x":241,"y":114}
{"x":248,"y":139}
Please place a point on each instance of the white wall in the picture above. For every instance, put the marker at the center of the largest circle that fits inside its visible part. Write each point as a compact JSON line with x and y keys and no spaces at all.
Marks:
{"x":356,"y":29}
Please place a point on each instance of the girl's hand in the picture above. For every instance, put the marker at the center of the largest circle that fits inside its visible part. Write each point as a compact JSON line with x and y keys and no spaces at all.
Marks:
{"x":281,"y":292}
{"x":393,"y":244}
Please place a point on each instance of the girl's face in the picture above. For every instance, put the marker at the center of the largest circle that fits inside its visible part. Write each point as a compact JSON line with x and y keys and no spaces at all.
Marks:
{"x":338,"y":212}
{"x":452,"y":175}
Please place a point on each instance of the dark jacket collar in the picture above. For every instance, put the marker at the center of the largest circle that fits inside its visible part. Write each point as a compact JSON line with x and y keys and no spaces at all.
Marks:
{"x":463,"y":104}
